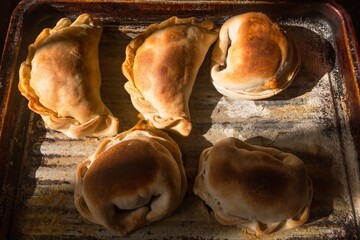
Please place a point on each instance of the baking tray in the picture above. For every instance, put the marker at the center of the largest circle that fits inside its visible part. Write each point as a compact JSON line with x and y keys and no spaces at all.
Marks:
{"x":316,"y":118}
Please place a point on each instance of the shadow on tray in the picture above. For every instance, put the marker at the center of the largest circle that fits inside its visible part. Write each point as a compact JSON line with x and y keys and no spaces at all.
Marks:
{"x":317,"y":60}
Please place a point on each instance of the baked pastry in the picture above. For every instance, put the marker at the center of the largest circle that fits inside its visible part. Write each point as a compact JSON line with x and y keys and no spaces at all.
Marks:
{"x":253,"y":58}
{"x":161,"y":66}
{"x":260,"y":188}
{"x":133,"y":179}
{"x":61,"y":79}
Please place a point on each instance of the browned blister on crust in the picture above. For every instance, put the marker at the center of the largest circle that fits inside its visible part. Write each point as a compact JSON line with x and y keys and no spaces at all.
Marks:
{"x":132,"y":180}
{"x":61,"y":79}
{"x":161,"y":66}
{"x":260,"y":188}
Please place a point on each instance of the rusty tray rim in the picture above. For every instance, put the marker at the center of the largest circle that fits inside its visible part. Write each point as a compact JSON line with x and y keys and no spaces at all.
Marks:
{"x":10,"y":140}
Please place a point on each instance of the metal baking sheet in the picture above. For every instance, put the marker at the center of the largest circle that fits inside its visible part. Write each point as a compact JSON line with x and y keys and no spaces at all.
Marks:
{"x":316,"y":118}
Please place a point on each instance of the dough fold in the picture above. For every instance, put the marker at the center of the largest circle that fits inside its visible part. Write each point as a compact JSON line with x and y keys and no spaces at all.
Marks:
{"x":253,"y":58}
{"x":260,"y":188}
{"x":61,"y":79}
{"x":161,"y":66}
{"x":132,"y":180}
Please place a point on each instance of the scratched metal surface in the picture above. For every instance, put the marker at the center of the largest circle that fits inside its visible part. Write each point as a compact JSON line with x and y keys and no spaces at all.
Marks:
{"x":309,"y":119}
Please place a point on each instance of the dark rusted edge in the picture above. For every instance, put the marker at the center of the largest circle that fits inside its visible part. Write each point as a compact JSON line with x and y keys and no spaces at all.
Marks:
{"x":349,"y":61}
{"x":353,"y":54}
{"x":12,"y":113}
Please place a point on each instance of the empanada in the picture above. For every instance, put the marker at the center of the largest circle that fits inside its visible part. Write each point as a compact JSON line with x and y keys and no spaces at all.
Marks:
{"x":133,"y":179}
{"x":256,"y":187}
{"x":253,"y":58}
{"x":161,"y":66}
{"x":61,"y":79}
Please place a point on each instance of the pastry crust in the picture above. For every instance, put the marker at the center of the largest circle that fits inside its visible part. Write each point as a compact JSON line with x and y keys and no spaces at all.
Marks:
{"x":133,"y":179}
{"x":253,"y":58}
{"x":61,"y":79}
{"x":161,"y":66}
{"x":260,"y":188}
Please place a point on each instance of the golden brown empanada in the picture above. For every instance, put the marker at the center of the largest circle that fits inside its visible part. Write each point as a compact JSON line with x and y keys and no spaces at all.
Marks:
{"x":253,"y":58}
{"x":161,"y":65}
{"x":260,"y":188}
{"x":133,"y":179}
{"x":61,"y":79}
